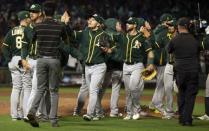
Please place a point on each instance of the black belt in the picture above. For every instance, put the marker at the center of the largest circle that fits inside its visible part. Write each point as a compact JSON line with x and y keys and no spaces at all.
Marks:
{"x":49,"y":57}
{"x":131,"y":63}
{"x":33,"y":57}
{"x":91,"y":64}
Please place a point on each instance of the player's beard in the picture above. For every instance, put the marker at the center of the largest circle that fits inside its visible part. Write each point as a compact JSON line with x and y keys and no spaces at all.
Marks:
{"x":129,"y":29}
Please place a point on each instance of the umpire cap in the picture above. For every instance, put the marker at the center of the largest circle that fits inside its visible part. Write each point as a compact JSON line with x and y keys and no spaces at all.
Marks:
{"x":23,"y":15}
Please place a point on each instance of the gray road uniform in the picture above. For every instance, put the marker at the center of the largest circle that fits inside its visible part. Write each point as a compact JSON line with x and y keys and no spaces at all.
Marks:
{"x":113,"y":76}
{"x":15,"y":39}
{"x":95,"y":66}
{"x":134,"y":48}
{"x":164,"y":85}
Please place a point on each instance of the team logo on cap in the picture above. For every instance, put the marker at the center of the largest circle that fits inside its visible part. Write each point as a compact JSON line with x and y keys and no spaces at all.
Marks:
{"x":33,"y":6}
{"x":130,"y":18}
{"x":95,"y":15}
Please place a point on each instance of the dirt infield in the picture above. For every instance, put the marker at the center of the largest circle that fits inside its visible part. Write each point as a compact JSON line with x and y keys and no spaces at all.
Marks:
{"x":67,"y":103}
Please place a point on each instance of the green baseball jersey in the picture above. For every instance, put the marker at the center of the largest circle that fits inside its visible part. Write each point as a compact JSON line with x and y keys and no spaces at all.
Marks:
{"x":114,"y":60}
{"x":162,"y":38}
{"x":90,"y":42}
{"x":32,"y":48}
{"x":134,"y":47}
{"x":14,"y":41}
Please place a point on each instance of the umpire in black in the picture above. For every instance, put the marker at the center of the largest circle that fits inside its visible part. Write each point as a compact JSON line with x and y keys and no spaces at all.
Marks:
{"x":186,"y":53}
{"x":48,"y":35}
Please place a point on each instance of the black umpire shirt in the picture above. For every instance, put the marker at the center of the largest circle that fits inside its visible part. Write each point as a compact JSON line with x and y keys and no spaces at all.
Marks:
{"x":186,"y":52}
{"x":48,"y":35}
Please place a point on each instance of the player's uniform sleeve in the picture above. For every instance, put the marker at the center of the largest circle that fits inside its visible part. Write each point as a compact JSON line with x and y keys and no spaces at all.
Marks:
{"x":6,"y":48}
{"x":147,"y":46}
{"x":27,"y":43}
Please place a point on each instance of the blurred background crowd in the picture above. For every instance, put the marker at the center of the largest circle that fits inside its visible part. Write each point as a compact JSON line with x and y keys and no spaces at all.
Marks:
{"x":121,"y":9}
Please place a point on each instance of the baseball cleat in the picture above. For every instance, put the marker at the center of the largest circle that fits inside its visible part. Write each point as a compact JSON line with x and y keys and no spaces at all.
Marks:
{"x":116,"y":115}
{"x":128,"y":117}
{"x":75,"y":114}
{"x":136,"y":116}
{"x":204,"y":117}
{"x":32,"y":120}
{"x":87,"y":117}
{"x":96,"y":118}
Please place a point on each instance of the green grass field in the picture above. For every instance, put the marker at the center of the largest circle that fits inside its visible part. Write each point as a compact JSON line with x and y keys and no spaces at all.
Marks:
{"x":70,"y":123}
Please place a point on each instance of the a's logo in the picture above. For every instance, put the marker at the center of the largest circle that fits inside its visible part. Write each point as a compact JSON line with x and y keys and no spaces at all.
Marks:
{"x":137,"y":44}
{"x":130,"y":18}
{"x":95,"y":15}
{"x":98,"y":43}
{"x":33,"y":6}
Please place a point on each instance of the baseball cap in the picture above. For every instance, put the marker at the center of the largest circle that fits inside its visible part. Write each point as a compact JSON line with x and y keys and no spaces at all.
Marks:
{"x":23,"y":15}
{"x":184,"y":21}
{"x":132,"y":20}
{"x":141,"y":22}
{"x":35,"y":8}
{"x":98,"y":18}
{"x":166,"y":17}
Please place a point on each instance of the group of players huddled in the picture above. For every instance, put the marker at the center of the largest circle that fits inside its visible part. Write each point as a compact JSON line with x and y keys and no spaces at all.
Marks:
{"x":107,"y":53}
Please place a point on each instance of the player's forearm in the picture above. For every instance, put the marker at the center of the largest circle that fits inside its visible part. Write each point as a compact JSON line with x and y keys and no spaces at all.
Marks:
{"x":150,"y":58}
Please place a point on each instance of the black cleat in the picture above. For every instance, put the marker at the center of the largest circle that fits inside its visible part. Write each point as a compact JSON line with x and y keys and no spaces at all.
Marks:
{"x":32,"y":120}
{"x":187,"y":124}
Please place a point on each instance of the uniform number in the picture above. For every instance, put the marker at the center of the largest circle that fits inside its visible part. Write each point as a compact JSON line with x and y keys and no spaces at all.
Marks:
{"x":19,"y":42}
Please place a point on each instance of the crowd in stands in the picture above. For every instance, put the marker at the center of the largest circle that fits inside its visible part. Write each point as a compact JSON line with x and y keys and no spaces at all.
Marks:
{"x":121,"y":9}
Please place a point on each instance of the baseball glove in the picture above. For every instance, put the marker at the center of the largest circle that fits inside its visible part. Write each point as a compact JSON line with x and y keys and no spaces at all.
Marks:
{"x":148,"y":75}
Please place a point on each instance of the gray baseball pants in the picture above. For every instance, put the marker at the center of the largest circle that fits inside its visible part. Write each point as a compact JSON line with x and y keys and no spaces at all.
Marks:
{"x":133,"y":85}
{"x":94,"y":78}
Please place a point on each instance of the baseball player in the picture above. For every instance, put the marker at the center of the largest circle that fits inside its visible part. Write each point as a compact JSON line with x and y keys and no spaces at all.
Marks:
{"x":15,"y":39}
{"x":94,"y":42}
{"x":160,"y":61}
{"x":83,"y":92}
{"x":145,"y":28}
{"x":205,"y":46}
{"x":113,"y":75}
{"x":169,"y":77}
{"x":134,"y":48}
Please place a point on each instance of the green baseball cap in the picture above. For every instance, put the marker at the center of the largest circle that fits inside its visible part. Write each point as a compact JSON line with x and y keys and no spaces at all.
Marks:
{"x":23,"y":15}
{"x":35,"y":8}
{"x":132,"y":20}
{"x":98,"y":18}
{"x":141,"y":22}
{"x":166,"y":17}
